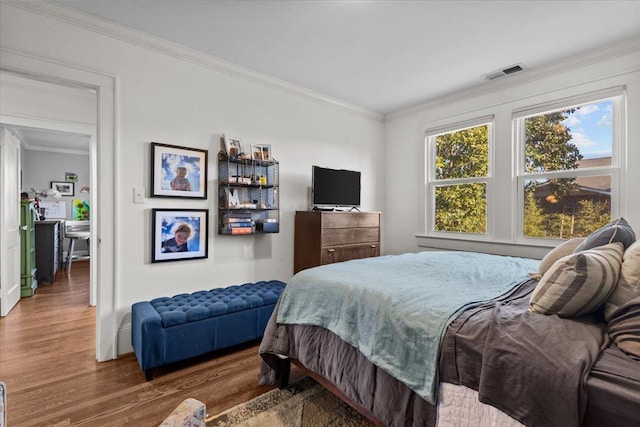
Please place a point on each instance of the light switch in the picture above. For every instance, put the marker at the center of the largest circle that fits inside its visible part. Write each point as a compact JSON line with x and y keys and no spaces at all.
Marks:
{"x":138,"y":195}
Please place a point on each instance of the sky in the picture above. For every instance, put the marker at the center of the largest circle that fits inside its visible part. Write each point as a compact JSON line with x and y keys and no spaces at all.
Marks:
{"x":170,"y":223}
{"x":169,"y":164}
{"x":591,"y":129}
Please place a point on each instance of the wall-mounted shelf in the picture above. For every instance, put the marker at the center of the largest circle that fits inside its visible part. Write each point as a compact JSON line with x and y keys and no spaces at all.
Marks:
{"x":248,"y":196}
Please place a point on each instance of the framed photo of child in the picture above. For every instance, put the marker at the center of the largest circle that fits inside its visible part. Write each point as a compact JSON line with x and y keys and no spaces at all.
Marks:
{"x":256,"y":152}
{"x":266,"y":153}
{"x":233,"y":145}
{"x":179,"y":234}
{"x":178,"y":171}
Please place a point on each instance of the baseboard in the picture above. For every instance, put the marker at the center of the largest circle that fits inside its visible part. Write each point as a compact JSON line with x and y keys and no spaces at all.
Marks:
{"x":124,"y":338}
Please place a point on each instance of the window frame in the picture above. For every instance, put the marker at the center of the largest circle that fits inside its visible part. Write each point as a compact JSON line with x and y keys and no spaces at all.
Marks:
{"x":432,"y":182}
{"x":617,"y":96}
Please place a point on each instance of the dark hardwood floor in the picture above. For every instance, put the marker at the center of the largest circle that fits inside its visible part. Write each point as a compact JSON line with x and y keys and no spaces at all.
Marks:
{"x":47,"y":360}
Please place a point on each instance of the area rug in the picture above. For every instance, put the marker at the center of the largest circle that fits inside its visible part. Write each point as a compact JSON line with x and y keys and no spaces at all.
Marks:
{"x":305,"y":403}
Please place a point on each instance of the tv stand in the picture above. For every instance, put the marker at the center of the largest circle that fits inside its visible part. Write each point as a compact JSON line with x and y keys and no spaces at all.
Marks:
{"x":325,"y":237}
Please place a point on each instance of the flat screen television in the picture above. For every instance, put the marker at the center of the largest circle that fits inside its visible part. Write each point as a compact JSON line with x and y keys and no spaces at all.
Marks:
{"x":335,"y":187}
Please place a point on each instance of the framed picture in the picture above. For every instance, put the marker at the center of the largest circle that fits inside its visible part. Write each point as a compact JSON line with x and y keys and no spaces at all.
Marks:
{"x":179,"y":234}
{"x":178,"y":171}
{"x":233,"y":145}
{"x":64,"y":188}
{"x":266,"y":152}
{"x":71,"y":177}
{"x":256,"y":152}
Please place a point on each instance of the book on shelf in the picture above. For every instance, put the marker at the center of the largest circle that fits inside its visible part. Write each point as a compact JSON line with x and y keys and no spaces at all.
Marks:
{"x":234,"y":220}
{"x":233,"y":179}
{"x":245,"y":206}
{"x":237,"y":217}
{"x":239,"y":224}
{"x":241,"y":230}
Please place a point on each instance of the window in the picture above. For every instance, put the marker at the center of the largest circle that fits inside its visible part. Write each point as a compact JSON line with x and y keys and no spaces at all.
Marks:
{"x":458,"y":178}
{"x":567,"y":169}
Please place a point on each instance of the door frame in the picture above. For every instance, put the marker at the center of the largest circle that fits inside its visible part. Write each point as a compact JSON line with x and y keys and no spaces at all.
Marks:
{"x":78,"y":128}
{"x":104,"y":151}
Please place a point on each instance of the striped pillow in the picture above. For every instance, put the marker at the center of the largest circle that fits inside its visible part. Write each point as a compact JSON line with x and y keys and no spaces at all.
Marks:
{"x":578,"y":283}
{"x":624,"y":328}
{"x":563,"y":249}
{"x":629,"y":282}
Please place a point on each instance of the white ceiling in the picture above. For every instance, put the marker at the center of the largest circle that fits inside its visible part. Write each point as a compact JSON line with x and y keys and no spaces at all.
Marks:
{"x":52,"y":140}
{"x":379,"y":55}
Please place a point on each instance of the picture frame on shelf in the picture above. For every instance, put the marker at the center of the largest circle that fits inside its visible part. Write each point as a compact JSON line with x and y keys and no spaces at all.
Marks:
{"x":233,"y":145}
{"x":179,"y":234}
{"x":64,"y":188}
{"x":256,"y":152}
{"x":266,"y":153}
{"x":178,"y":171}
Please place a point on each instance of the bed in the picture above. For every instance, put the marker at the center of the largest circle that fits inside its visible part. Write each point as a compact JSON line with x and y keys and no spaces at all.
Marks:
{"x":359,"y":328}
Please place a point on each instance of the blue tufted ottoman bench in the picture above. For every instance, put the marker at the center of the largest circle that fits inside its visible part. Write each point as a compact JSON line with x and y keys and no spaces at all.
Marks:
{"x":167,"y":330}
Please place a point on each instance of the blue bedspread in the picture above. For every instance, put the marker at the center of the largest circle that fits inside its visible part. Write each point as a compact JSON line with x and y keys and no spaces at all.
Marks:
{"x":394,"y":309}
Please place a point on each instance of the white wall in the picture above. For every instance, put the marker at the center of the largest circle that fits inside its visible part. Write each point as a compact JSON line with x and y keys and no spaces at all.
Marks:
{"x":166,"y":99}
{"x":42,"y":167}
{"x":47,"y":102}
{"x":615,"y":66}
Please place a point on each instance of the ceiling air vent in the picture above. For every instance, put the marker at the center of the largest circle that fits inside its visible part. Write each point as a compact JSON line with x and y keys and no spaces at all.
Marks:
{"x":504,"y":72}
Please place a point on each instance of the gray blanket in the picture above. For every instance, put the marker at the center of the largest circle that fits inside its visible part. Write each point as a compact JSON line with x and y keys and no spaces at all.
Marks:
{"x":531,"y":366}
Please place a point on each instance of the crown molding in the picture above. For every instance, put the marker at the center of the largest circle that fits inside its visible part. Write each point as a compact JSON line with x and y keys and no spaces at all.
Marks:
{"x":56,"y":150}
{"x":147,"y":41}
{"x":626,"y":47}
{"x":45,"y":123}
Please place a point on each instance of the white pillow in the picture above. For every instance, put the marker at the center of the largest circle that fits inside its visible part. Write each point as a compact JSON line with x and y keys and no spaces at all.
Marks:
{"x":628,"y":286}
{"x":578,"y":283}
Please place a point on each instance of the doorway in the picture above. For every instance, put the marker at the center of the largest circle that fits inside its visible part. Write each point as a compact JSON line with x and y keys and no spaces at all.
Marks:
{"x":103,"y":148}
{"x":55,"y":125}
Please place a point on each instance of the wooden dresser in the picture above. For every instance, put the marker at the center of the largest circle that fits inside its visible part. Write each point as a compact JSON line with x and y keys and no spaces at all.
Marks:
{"x":323,"y":237}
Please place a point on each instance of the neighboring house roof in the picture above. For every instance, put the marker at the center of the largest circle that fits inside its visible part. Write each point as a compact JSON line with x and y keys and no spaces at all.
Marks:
{"x":596,"y":183}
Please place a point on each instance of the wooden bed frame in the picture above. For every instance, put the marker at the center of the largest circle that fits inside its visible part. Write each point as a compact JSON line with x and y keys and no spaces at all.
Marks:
{"x":282,"y":378}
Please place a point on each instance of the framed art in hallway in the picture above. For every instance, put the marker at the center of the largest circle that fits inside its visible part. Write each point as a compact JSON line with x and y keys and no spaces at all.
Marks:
{"x":64,"y":188}
{"x":179,"y":234}
{"x":178,"y":171}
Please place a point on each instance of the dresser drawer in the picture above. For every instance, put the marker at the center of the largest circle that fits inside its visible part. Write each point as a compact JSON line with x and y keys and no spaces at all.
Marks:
{"x":346,"y":236}
{"x":350,"y":219}
{"x":328,"y":237}
{"x":349,"y":252}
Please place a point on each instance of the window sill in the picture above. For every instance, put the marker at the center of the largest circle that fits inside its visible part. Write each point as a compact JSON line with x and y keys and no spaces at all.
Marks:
{"x":525,"y":250}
